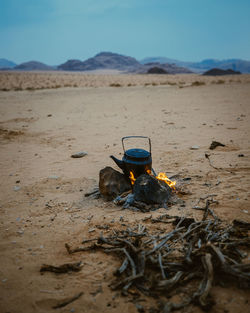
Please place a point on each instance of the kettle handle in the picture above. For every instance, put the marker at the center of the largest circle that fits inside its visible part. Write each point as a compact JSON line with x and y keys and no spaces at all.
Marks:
{"x":149,"y":141}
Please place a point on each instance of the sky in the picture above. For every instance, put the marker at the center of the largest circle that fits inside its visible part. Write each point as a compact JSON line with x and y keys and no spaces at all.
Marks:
{"x":53,"y":31}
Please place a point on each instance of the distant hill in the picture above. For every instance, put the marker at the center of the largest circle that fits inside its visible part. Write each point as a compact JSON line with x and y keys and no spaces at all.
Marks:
{"x":72,"y":65}
{"x":33,"y":66}
{"x":220,"y":72}
{"x":103,"y":60}
{"x":110,"y":60}
{"x":164,"y":60}
{"x":161,"y":60}
{"x":4,"y":64}
{"x":235,"y":64}
{"x":156,"y":70}
{"x":168,"y":68}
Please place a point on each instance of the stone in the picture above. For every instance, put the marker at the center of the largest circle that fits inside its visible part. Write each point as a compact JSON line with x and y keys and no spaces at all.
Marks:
{"x":195,"y":147}
{"x":216,"y":144}
{"x":79,"y":154}
{"x":112,"y":183}
{"x":150,"y":190}
{"x":53,"y":177}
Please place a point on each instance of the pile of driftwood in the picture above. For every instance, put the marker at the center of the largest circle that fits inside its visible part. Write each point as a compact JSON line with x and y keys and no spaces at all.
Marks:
{"x":194,"y":254}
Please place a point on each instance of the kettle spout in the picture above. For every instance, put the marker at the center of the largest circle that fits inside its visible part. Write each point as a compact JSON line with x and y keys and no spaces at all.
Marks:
{"x":118,"y":162}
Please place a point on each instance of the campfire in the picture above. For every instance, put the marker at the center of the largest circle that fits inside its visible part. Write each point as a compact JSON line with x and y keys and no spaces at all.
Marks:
{"x":138,"y":186}
{"x":178,"y":266}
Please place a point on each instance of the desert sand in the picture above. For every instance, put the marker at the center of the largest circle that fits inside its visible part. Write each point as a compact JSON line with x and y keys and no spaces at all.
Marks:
{"x":46,"y":117}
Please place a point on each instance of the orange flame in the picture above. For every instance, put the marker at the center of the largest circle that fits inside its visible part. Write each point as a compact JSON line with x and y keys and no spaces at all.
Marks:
{"x":163,"y":177}
{"x":132,"y":177}
{"x":160,"y":176}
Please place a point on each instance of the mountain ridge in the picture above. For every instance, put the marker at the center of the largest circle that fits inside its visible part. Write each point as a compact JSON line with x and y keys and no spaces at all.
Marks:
{"x":199,"y":67}
{"x":5,"y":64}
{"x":103,"y":60}
{"x":109,"y":60}
{"x":33,"y":66}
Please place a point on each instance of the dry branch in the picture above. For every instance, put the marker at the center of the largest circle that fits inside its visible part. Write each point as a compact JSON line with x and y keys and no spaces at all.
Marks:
{"x":194,"y":250}
{"x":66,"y":302}
{"x":64,"y":268}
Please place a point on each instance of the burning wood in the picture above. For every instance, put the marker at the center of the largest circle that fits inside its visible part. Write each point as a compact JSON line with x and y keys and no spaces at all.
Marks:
{"x":145,"y":190}
{"x":163,"y":177}
{"x":150,"y":190}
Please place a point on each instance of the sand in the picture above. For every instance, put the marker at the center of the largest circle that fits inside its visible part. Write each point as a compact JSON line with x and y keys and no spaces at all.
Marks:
{"x":46,"y":117}
{"x":106,"y":78}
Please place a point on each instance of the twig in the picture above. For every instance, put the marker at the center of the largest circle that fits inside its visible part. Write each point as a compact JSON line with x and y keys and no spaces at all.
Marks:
{"x":122,"y":268}
{"x":207,"y":281}
{"x":93,"y":192}
{"x":129,"y":244}
{"x":66,"y":302}
{"x":166,"y":238}
{"x":126,"y":281}
{"x":169,"y":306}
{"x":161,"y":267}
{"x":189,"y":251}
{"x":208,"y":157}
{"x":167,"y":284}
{"x":205,"y":197}
{"x":64,"y":268}
{"x":191,"y":230}
{"x":207,"y":210}
{"x":241,"y":224}
{"x":131,"y":261}
{"x":82,"y":249}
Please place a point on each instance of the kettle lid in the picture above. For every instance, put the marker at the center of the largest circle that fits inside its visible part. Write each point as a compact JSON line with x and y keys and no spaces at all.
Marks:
{"x":137,"y":154}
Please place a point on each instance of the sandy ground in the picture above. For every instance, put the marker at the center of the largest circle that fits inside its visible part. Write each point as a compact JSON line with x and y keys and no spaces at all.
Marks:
{"x":42,"y":188}
{"x":106,"y":78}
